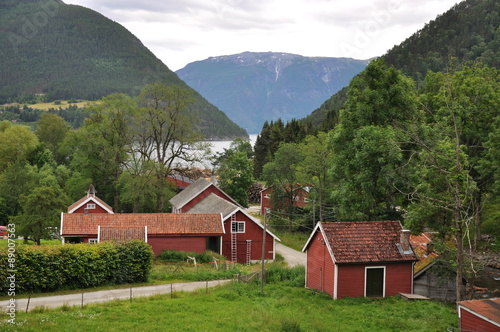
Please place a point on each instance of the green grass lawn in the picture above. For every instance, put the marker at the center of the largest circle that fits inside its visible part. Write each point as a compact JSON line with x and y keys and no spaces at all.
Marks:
{"x":241,"y":307}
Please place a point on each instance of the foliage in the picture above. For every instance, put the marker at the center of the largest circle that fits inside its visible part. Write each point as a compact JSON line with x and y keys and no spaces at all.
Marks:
{"x":51,"y":130}
{"x":290,"y":276}
{"x":16,"y":143}
{"x":50,"y":268}
{"x":41,"y":212}
{"x":365,"y":144}
{"x":235,"y":170}
{"x":174,"y":256}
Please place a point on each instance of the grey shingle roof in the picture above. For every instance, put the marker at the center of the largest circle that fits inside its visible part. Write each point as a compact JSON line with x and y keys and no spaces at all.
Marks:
{"x":214,"y":204}
{"x":189,"y":193}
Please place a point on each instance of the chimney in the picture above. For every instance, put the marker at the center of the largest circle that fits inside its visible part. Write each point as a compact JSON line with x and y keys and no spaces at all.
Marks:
{"x":404,"y":240}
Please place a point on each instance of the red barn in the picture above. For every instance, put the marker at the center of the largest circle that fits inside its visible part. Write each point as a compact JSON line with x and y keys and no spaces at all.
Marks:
{"x":353,"y":259}
{"x":163,"y":231}
{"x":479,"y":315}
{"x":90,"y":220}
{"x":243,"y":235}
{"x":299,"y":198}
{"x":194,"y":193}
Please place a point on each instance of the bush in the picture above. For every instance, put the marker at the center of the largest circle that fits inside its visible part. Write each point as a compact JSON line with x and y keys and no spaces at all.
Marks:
{"x":50,"y":268}
{"x":173,"y":256}
{"x":290,"y":276}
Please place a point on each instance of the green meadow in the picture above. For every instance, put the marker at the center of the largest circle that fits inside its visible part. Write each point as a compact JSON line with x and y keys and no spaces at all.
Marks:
{"x":242,"y":307}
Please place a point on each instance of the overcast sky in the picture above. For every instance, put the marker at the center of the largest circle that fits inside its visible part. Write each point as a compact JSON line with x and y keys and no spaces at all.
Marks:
{"x":182,"y":31}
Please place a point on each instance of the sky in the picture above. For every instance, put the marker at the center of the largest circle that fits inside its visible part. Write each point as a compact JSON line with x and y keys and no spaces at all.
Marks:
{"x":182,"y":31}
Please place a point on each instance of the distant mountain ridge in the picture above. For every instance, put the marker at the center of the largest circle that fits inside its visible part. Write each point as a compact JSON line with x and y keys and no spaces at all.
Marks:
{"x":254,"y":87}
{"x":71,"y":52}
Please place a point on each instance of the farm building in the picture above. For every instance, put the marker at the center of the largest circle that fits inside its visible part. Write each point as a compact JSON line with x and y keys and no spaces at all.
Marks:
{"x":299,"y":198}
{"x":479,"y":315}
{"x":427,"y":280}
{"x":242,"y":241}
{"x":194,"y":193}
{"x":353,"y":259}
{"x":90,"y":220}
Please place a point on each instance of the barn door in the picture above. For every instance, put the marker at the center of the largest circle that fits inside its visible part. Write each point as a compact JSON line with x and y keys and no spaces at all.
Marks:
{"x":374,"y":286}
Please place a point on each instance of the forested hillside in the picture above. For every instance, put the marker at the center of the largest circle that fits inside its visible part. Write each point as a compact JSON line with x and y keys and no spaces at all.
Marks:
{"x":70,"y":52}
{"x":468,"y":32}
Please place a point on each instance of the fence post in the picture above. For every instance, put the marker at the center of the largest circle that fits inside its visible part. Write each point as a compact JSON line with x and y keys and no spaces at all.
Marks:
{"x":171,"y":288}
{"x":130,"y":294}
{"x":82,"y":300}
{"x":28,"y":303}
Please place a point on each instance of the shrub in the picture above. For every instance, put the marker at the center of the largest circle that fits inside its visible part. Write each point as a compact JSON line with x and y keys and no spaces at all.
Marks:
{"x":50,"y":268}
{"x":173,"y":256}
{"x":291,"y":276}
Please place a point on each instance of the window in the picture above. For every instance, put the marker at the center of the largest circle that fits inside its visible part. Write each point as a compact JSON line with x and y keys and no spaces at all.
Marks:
{"x":93,"y":241}
{"x":90,"y":206}
{"x":238,"y":227}
{"x":268,"y":195}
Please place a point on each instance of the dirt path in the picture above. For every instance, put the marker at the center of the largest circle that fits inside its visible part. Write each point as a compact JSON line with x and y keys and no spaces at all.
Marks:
{"x":108,"y":295}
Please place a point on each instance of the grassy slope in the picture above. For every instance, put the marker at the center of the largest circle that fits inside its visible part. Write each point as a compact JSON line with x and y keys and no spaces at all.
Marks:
{"x":240,"y":307}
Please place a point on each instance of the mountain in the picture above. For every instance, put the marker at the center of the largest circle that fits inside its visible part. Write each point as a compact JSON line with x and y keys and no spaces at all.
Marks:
{"x":71,"y":52}
{"x":467,"y":33}
{"x":252,"y":88}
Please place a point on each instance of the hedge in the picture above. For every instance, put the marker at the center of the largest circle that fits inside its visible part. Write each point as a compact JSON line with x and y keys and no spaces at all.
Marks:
{"x":74,"y":266}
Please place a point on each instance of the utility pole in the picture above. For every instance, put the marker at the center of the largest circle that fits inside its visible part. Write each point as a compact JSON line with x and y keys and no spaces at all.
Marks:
{"x":263,"y":254}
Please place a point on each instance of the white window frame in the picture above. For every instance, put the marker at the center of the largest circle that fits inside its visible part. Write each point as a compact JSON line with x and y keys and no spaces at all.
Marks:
{"x":366,"y":274}
{"x":268,"y":196}
{"x":90,"y":206}
{"x":93,"y":241}
{"x":240,"y":226}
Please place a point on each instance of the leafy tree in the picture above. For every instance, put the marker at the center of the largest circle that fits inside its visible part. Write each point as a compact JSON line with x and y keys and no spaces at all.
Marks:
{"x":314,"y":169}
{"x":41,"y":210}
{"x":366,"y":153}
{"x":282,"y":175}
{"x":16,"y":144}
{"x":101,"y":148}
{"x":51,"y":130}
{"x":452,"y":146}
{"x":164,"y":131}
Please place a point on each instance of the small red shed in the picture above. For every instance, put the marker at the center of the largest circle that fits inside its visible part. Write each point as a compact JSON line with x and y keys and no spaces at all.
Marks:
{"x":354,"y":259}
{"x":243,"y":235}
{"x":479,"y":315}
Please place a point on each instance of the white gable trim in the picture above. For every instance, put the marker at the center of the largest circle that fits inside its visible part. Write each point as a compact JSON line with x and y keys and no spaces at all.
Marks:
{"x":460,"y":307}
{"x":86,"y":201}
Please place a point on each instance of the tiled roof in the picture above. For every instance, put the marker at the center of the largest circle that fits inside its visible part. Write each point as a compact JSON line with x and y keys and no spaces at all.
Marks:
{"x":214,"y":204}
{"x":157,"y":223}
{"x":363,"y":242}
{"x":120,"y":234}
{"x":189,"y":193}
{"x":487,"y":308}
{"x":84,"y":199}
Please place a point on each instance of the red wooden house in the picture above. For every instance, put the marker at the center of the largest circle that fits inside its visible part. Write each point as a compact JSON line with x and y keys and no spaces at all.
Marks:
{"x":479,"y":315}
{"x":353,"y":259}
{"x":242,"y":240}
{"x":90,"y":220}
{"x":299,"y":198}
{"x":194,"y":193}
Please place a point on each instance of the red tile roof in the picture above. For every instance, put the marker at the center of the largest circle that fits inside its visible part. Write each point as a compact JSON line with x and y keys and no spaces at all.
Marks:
{"x":157,"y":223}
{"x":362,"y":242}
{"x":489,"y":308}
{"x":120,"y":234}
